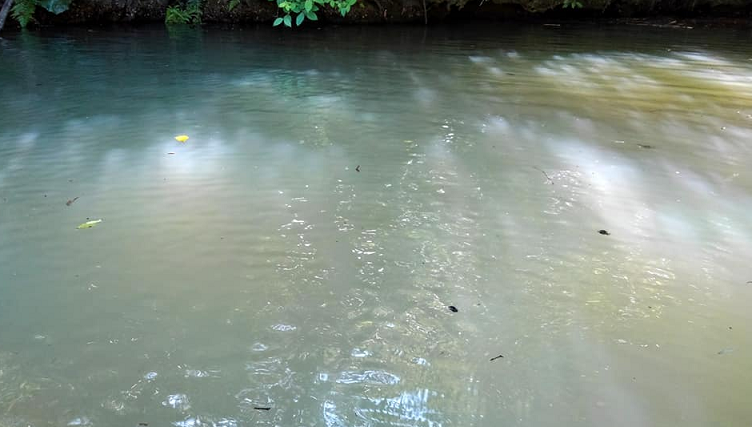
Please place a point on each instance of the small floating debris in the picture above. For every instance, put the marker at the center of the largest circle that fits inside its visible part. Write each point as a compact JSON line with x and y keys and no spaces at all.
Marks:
{"x":548,"y":178}
{"x":726,"y":351}
{"x":71,"y":201}
{"x":262,"y":408}
{"x":645,"y":146}
{"x":89,"y":224}
{"x":497,"y":357}
{"x":604,"y":232}
{"x":749,"y":282}
{"x":357,"y":168}
{"x":143,"y":424}
{"x":171,"y":152}
{"x":453,"y":309}
{"x":181,"y":138}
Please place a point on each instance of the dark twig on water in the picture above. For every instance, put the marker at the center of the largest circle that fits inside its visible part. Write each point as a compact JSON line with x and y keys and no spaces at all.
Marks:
{"x":262,"y":408}
{"x":497,"y":357}
{"x":544,"y":174}
{"x":70,"y":202}
{"x":357,"y":168}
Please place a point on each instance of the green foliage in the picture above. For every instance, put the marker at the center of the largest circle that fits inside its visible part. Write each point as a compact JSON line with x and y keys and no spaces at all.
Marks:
{"x":306,"y":9}
{"x":233,"y":4}
{"x":195,"y":12}
{"x":189,"y":14}
{"x":572,"y":4}
{"x":176,"y":15}
{"x":23,"y":11}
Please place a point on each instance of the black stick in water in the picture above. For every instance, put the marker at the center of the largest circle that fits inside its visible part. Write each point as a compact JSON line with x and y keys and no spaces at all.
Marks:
{"x":544,"y":174}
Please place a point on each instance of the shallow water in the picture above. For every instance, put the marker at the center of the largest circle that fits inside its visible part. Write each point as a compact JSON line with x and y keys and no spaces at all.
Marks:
{"x":257,"y":268}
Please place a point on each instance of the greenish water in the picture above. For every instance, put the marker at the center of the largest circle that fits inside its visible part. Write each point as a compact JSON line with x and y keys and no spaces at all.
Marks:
{"x":257,"y":268}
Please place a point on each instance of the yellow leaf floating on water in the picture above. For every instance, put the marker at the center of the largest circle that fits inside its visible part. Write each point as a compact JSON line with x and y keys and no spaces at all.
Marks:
{"x":89,"y":224}
{"x":181,"y":138}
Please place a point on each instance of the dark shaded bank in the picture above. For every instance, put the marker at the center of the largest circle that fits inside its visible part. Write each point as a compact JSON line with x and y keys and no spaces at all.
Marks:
{"x":688,"y":12}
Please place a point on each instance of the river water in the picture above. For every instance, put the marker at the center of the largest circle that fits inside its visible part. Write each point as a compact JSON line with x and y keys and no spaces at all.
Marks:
{"x":293,"y":262}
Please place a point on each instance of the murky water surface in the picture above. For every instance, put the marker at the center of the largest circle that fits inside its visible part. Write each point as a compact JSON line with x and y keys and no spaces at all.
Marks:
{"x":292,"y":263}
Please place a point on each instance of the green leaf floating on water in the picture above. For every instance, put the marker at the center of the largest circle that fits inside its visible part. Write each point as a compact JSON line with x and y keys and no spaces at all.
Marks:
{"x":89,"y":224}
{"x":55,"y":6}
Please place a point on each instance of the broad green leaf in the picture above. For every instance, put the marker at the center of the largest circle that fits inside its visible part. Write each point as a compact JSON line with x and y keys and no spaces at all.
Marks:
{"x":299,"y":19}
{"x":288,"y":21}
{"x":277,"y":22}
{"x":308,"y":5}
{"x":312,"y":16}
{"x":55,"y":6}
{"x":89,"y":224}
{"x":343,"y":12}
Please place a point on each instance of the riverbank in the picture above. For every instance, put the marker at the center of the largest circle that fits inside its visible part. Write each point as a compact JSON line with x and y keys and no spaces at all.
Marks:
{"x":677,"y":13}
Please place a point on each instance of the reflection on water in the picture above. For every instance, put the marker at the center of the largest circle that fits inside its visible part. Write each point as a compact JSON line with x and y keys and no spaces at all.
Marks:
{"x":292,"y":263}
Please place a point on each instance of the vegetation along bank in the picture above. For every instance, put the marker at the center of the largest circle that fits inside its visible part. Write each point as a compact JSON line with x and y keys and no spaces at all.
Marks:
{"x":293,"y":13}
